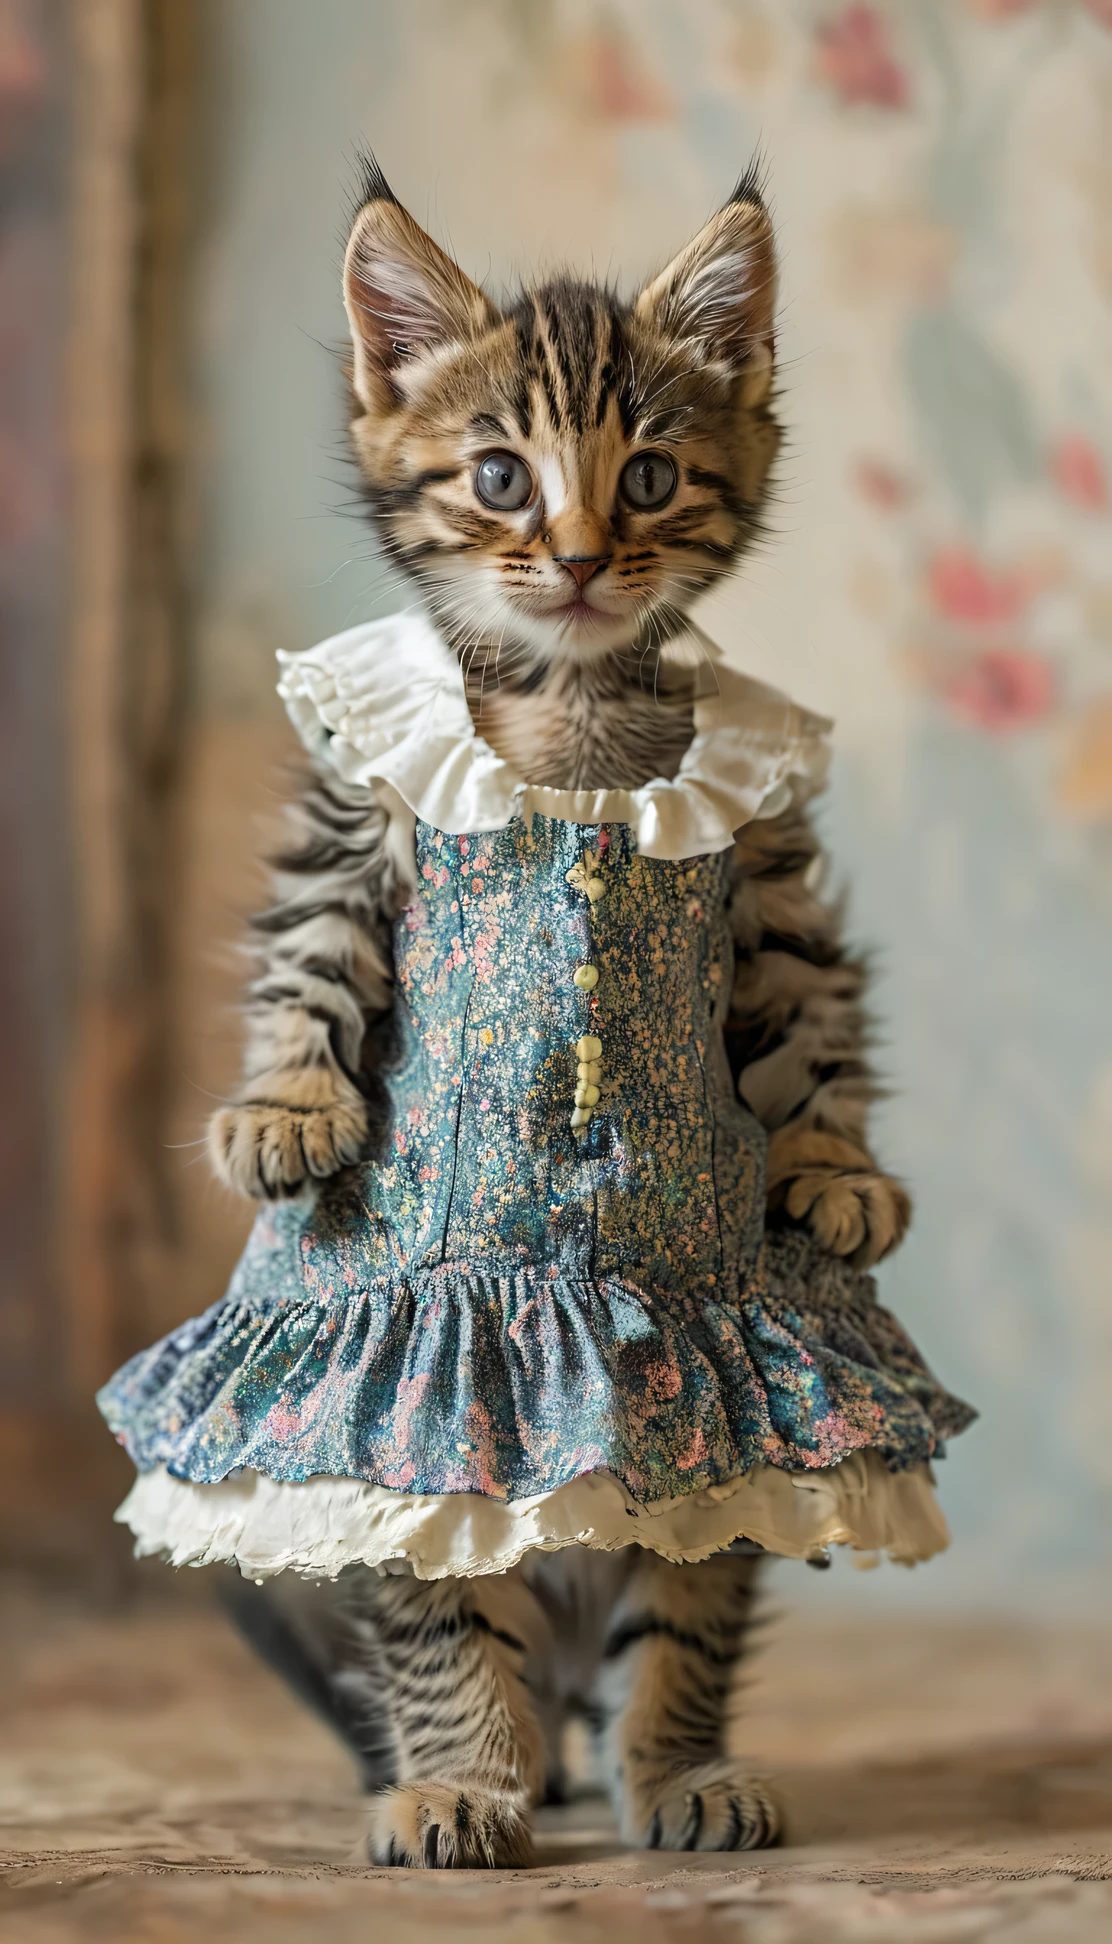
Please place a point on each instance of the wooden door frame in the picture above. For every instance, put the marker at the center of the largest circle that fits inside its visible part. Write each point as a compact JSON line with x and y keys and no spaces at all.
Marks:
{"x":131,"y":75}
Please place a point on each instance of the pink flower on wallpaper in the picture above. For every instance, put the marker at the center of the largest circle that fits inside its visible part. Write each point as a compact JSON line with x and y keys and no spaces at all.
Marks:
{"x":1003,"y":9}
{"x":963,"y":589}
{"x":622,"y":89}
{"x":1079,"y":473}
{"x":882,"y":485}
{"x":1001,"y":689}
{"x":854,"y":59}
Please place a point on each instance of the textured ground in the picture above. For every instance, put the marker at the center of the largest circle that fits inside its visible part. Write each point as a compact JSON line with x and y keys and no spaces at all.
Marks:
{"x":949,"y":1782}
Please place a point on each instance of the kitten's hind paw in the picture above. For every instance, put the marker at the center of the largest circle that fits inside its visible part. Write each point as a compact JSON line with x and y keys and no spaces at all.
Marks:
{"x":719,"y":1806}
{"x":437,"y":1826}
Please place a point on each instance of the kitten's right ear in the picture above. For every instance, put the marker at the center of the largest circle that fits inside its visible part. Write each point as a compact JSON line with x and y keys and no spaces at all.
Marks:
{"x":402,"y":294}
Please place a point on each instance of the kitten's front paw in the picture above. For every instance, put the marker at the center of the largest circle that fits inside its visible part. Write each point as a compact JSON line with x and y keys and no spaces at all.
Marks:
{"x":851,"y":1208}
{"x":719,"y":1806}
{"x":437,"y":1826}
{"x":861,"y":1219}
{"x":301,"y":1125}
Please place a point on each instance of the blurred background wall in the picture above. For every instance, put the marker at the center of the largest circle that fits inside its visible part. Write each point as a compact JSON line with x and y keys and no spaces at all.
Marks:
{"x":939,"y":579}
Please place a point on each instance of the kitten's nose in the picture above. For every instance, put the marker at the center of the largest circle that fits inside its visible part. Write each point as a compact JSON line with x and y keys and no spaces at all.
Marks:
{"x":581,"y":566}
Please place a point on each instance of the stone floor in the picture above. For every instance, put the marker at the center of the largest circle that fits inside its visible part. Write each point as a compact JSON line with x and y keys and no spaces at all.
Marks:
{"x":947,"y":1782}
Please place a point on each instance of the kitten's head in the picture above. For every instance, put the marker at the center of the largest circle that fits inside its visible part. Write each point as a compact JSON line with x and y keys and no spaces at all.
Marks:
{"x":562,"y":476}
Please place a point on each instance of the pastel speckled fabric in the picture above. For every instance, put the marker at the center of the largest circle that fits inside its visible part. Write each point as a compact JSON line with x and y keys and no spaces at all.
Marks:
{"x":557,"y":1264}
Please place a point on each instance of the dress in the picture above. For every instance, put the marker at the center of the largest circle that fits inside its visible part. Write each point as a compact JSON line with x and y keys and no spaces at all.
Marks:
{"x":545,"y":1311}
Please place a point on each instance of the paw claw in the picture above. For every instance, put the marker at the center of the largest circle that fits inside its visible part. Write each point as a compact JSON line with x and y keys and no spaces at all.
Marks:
{"x":436,"y":1826}
{"x":733,"y":1834}
{"x":719,"y":1807}
{"x":691,"y":1839}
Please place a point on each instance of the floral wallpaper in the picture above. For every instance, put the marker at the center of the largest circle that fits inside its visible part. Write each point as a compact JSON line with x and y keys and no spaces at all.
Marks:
{"x":939,"y":576}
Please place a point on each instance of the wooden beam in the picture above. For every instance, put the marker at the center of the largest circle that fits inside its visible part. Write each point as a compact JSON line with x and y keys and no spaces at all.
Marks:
{"x":131,"y":91}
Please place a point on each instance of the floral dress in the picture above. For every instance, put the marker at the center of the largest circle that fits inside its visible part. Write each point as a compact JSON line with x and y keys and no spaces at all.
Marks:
{"x":545,"y":1311}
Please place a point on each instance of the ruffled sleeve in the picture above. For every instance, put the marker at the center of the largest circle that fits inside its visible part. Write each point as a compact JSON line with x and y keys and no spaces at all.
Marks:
{"x":386,"y":703}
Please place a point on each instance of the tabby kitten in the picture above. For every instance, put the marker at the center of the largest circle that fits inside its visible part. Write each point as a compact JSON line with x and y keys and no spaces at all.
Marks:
{"x":560,"y":479}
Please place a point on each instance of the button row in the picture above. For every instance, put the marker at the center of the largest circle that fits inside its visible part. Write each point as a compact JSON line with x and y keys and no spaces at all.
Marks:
{"x":588,"y":1074}
{"x":584,"y":877}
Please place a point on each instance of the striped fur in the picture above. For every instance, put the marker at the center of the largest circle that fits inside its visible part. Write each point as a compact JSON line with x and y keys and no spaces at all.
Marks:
{"x":468,"y":1748}
{"x":319,"y":1005}
{"x":457,"y":1692}
{"x":666,"y":1682}
{"x":797,"y":1036}
{"x":608,"y":725}
{"x":454,"y":1695}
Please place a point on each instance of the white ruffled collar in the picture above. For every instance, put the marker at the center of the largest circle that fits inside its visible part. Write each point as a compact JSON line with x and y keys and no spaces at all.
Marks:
{"x":385,"y":702}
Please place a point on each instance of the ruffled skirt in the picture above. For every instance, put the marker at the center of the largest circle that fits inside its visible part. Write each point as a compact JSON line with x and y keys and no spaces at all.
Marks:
{"x":452,"y":1422}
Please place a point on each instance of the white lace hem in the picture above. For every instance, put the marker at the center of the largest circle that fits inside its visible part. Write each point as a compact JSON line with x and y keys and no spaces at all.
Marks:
{"x":325,"y":1524}
{"x":385,"y":703}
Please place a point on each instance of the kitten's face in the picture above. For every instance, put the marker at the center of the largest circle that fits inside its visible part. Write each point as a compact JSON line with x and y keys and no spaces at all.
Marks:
{"x":564,"y":477}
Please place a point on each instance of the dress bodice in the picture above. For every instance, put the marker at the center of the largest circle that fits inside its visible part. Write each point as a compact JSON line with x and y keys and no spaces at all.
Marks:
{"x":561,"y":1094}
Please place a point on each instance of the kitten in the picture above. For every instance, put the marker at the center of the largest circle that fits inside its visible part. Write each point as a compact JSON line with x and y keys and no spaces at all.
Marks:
{"x":559,"y":479}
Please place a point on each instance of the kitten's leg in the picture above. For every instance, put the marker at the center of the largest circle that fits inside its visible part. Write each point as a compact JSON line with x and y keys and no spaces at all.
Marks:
{"x":575,"y":1590}
{"x":675,"y":1639}
{"x":470,"y":1761}
{"x":325,"y":978}
{"x":799,"y":1042}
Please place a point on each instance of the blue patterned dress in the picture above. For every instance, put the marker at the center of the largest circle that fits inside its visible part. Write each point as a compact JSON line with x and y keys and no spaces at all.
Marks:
{"x":555,"y":1263}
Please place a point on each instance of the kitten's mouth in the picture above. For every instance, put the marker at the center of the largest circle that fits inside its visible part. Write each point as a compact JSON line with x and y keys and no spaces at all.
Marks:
{"x":579,"y":610}
{"x":577,"y":627}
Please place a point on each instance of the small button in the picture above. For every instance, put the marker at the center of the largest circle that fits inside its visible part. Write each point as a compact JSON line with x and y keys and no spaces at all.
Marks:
{"x":589,"y":1070}
{"x":596,"y":889}
{"x":586,"y":1096}
{"x":589,"y":1047}
{"x":586,"y":977}
{"x":581,"y":1116}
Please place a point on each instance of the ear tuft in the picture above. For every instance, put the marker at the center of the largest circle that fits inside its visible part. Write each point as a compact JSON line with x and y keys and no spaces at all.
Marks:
{"x":373,"y":186}
{"x":751,"y":187}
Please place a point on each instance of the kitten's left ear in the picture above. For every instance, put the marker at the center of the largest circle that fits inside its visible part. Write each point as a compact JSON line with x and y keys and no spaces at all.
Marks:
{"x":720,"y":292}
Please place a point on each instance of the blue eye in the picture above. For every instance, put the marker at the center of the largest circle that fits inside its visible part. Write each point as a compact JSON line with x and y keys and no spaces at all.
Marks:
{"x":648,"y":480}
{"x":504,"y":482}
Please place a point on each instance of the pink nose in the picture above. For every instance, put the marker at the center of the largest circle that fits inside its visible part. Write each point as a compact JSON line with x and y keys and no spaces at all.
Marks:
{"x":581,"y":566}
